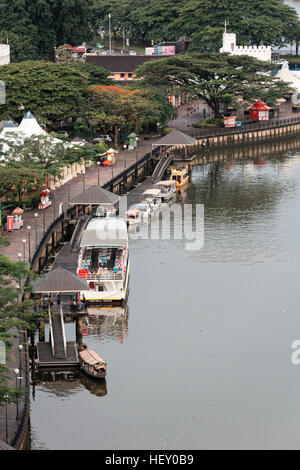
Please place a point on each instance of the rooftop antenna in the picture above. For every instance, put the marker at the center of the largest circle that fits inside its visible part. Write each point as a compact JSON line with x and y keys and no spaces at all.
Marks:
{"x":226,"y":24}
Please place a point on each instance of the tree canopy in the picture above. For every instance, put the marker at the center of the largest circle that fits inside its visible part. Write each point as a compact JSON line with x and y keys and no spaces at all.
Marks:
{"x":14,"y":314}
{"x":34,"y":28}
{"x":115,"y":108}
{"x":53,"y":92}
{"x":28,"y":164}
{"x":216,"y":78}
{"x":256,"y":22}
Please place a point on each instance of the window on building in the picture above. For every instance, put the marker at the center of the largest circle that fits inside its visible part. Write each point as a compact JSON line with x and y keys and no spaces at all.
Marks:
{"x":130,"y":75}
{"x":122,"y":75}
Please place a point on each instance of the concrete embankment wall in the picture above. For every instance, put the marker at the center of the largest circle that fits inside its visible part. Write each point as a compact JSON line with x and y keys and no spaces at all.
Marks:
{"x":244,"y":136}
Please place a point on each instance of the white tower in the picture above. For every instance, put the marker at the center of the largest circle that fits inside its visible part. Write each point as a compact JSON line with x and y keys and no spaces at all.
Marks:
{"x":229,"y":42}
{"x":4,"y":54}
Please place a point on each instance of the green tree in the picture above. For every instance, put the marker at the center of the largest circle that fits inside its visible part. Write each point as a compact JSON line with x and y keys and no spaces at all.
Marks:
{"x":53,"y":92}
{"x":114,"y":107}
{"x":14,"y":314}
{"x":34,"y":28}
{"x":26,"y":165}
{"x":218,"y":79}
{"x":270,"y":22}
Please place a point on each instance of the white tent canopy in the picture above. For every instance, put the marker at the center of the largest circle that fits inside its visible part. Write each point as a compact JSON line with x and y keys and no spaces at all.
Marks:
{"x":29,"y":126}
{"x":289,"y":77}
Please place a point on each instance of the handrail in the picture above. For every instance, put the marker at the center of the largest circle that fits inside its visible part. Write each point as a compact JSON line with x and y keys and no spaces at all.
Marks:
{"x":72,"y":209}
{"x":63,"y":328}
{"x":247,"y":127}
{"x":161,"y":167}
{"x":51,"y":330}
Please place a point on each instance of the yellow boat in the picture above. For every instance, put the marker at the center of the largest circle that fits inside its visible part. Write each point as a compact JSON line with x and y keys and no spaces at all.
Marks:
{"x":180,"y":176}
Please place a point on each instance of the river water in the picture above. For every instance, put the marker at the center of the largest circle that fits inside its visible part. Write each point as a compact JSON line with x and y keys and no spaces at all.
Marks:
{"x":202,"y":359}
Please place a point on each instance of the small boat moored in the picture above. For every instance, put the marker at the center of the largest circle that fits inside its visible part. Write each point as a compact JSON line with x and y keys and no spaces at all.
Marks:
{"x":133,"y":216}
{"x":150,"y":196}
{"x":144,"y":208}
{"x":181,"y":177}
{"x":167,"y":189}
{"x":92,"y":364}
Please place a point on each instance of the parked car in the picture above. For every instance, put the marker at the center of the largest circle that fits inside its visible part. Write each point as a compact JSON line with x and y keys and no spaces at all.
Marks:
{"x":132,"y":52}
{"x":62,"y":133}
{"x":105,"y":138}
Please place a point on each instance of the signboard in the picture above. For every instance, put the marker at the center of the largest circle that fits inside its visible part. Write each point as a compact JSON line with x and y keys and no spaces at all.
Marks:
{"x":229,"y":121}
{"x":10,"y":223}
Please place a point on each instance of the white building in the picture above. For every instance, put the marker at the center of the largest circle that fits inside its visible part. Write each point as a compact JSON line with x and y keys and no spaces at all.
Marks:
{"x":263,"y":53}
{"x":4,"y":54}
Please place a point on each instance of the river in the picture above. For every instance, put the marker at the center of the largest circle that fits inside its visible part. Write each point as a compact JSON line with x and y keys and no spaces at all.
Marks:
{"x":203,"y":360}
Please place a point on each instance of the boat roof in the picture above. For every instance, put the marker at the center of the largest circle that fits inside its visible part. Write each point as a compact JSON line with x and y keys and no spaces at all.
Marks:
{"x":108,"y":231}
{"x":132,"y":212}
{"x":151,"y":191}
{"x":178,"y":171}
{"x":91,"y":357}
{"x":165,"y":183}
{"x":142,"y":205}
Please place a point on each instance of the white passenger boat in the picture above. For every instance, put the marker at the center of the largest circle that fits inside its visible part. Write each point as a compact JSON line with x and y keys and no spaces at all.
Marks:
{"x":167,"y":189}
{"x":103,"y":211}
{"x":144,"y":209}
{"x":133,"y":217}
{"x":150,"y":196}
{"x":104,"y":261}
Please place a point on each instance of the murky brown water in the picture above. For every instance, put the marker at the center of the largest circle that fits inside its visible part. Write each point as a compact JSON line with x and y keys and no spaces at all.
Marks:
{"x":204,"y":358}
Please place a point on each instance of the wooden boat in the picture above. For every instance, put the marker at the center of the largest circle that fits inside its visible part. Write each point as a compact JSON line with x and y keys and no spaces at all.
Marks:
{"x":92,"y":364}
{"x":180,"y":176}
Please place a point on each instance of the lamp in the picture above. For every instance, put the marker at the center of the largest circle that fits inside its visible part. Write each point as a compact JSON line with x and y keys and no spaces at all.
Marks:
{"x":35,"y":221}
{"x":24,"y":249}
{"x":29,"y":254}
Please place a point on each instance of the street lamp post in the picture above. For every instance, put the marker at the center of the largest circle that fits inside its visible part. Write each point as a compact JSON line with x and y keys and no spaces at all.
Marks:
{"x":6,"y":420}
{"x":24,"y":249}
{"x":136,"y":155}
{"x":36,"y":234}
{"x":98,"y":167}
{"x":83,"y":181}
{"x":16,"y":371}
{"x":20,"y":348}
{"x":54,"y":206}
{"x":20,"y":257}
{"x":125,"y":147}
{"x":69,"y":192}
{"x":158,"y":124}
{"x":109,"y":32}
{"x":44,"y":222}
{"x":29,"y":253}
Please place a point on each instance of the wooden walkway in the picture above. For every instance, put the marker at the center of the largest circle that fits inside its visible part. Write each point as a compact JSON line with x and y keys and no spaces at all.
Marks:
{"x":46,"y":359}
{"x":124,"y":160}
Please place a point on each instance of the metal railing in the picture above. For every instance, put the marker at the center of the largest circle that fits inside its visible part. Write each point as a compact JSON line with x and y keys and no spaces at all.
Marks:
{"x":63,"y":328}
{"x":51,"y":330}
{"x":246,"y":127}
{"x":72,"y":210}
{"x":111,"y":276}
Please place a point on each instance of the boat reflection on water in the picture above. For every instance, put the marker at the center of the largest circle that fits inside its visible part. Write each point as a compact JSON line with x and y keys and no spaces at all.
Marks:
{"x":96,"y":387}
{"x":106,"y":323}
{"x":63,"y":383}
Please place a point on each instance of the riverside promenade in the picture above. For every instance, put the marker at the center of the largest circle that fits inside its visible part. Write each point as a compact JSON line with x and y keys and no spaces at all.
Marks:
{"x":124,"y":160}
{"x":16,"y":422}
